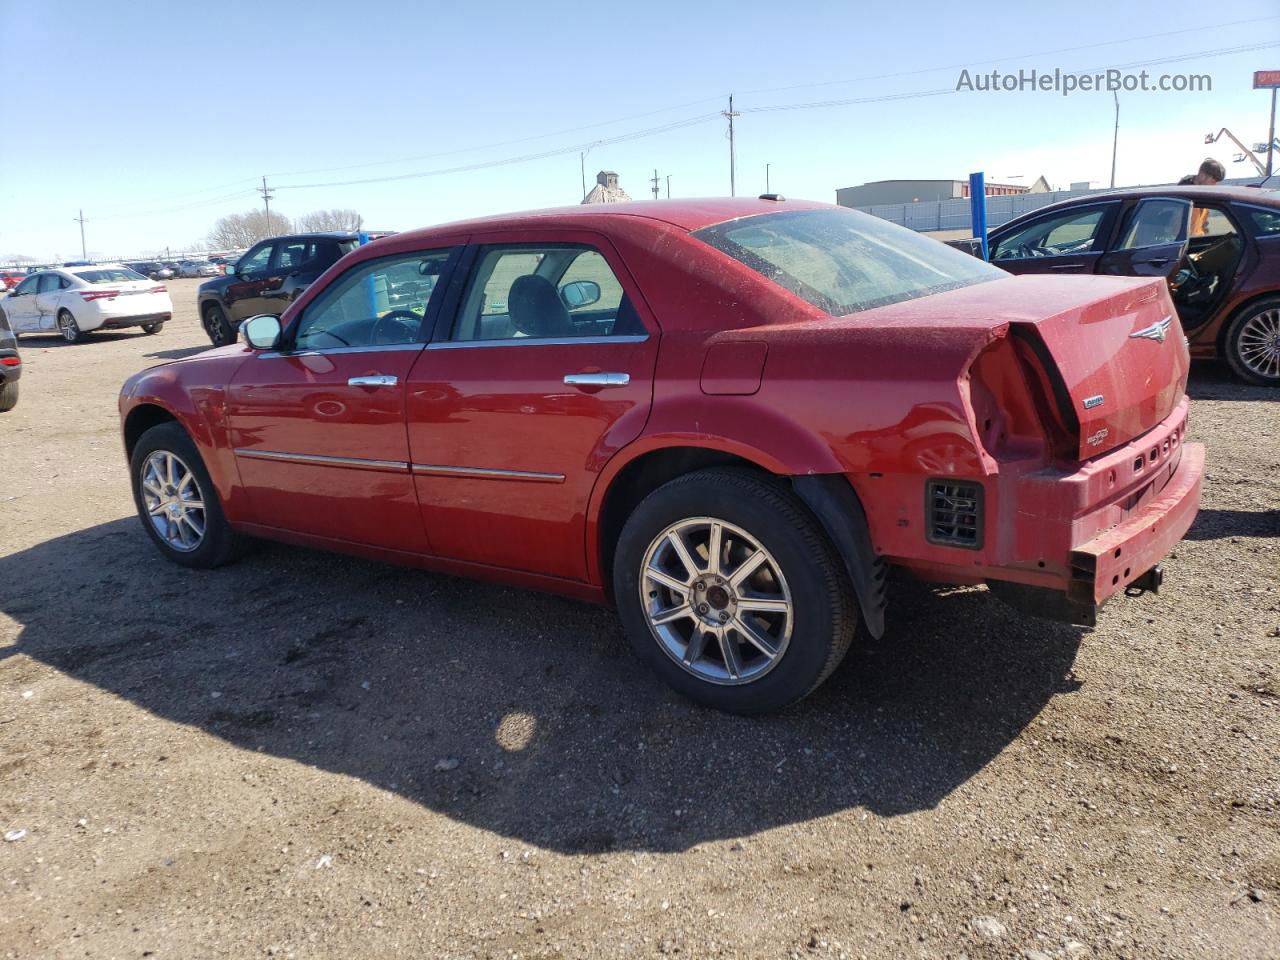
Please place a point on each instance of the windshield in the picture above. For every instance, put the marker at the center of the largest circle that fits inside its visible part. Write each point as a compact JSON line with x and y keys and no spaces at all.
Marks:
{"x":110,"y":275}
{"x":843,"y":261}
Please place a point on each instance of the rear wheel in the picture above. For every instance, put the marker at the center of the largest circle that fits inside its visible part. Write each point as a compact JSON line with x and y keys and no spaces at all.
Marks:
{"x":152,"y":327}
{"x":728,"y":588}
{"x":176,"y":500}
{"x":217,"y":326}
{"x":8,"y":396}
{"x":68,"y":327}
{"x":1253,"y":343}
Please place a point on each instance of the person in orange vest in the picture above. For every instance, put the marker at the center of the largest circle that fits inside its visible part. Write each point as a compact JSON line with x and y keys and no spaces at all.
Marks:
{"x":1211,"y":173}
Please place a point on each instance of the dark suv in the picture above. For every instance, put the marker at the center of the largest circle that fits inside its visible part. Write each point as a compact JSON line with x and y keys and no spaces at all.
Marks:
{"x":10,"y":365}
{"x":268,"y":278}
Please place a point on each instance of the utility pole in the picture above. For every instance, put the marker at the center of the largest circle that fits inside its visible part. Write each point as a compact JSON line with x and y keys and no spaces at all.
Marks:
{"x":266,"y":201}
{"x":668,"y":186}
{"x":655,"y":181}
{"x":582,"y":165}
{"x":1115,"y":141}
{"x":729,"y":114}
{"x":766,"y":177}
{"x":84,"y":251}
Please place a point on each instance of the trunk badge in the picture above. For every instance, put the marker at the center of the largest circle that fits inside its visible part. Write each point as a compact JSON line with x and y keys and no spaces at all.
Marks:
{"x":1091,"y":402}
{"x":1156,"y":331}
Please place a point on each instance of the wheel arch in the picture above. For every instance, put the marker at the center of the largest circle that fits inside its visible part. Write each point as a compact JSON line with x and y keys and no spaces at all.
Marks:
{"x":1242,"y":307}
{"x":142,"y":418}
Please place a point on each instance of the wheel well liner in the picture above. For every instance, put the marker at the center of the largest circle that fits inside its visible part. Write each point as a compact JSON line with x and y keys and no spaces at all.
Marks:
{"x":141,"y":419}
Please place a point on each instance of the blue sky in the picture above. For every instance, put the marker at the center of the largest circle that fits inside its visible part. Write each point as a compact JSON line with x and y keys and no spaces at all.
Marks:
{"x":157,"y":118}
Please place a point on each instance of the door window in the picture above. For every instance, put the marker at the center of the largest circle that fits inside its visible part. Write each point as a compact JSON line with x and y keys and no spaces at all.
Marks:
{"x":557,"y":291}
{"x":292,"y":254}
{"x":1063,"y":234}
{"x":49,"y":283}
{"x":256,"y":260}
{"x":1266,"y":222}
{"x":1156,"y":223}
{"x":380,"y":303}
{"x":26,"y":286}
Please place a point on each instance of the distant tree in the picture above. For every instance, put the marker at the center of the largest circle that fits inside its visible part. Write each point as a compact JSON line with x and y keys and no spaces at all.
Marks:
{"x":245,"y":229}
{"x":16,"y":258}
{"x":347,"y":221}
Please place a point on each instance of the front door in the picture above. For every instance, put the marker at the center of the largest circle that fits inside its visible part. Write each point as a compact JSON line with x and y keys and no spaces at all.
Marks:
{"x":546,"y":372}
{"x":243,"y":296}
{"x":20,"y":306}
{"x":318,"y":426}
{"x":1153,"y":241}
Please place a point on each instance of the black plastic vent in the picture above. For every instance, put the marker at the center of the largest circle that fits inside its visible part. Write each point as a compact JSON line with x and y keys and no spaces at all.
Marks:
{"x":953,"y":511}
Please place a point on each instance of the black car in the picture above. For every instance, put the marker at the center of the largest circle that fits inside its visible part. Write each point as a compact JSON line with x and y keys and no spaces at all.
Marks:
{"x":268,"y":278}
{"x":10,"y":365}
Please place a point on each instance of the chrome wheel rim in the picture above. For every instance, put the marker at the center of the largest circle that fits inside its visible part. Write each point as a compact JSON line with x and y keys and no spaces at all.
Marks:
{"x":1259,"y":344}
{"x":173,"y":501}
{"x":716,"y":601}
{"x":67,"y":325}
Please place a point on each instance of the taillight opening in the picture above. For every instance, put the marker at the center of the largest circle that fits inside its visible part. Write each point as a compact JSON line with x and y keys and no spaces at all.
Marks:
{"x":953,"y":513}
{"x":90,"y":295}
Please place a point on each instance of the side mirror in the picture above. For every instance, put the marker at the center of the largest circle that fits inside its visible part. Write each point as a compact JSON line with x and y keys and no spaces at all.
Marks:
{"x":229,"y":269}
{"x":261,"y":332}
{"x":580,"y":293}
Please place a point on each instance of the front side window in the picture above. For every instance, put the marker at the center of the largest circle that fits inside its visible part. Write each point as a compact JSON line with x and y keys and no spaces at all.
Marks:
{"x":380,"y":303}
{"x":1063,"y":234}
{"x":256,"y":260}
{"x":26,"y":286}
{"x":554,"y":291}
{"x":1156,"y":223}
{"x":843,"y":261}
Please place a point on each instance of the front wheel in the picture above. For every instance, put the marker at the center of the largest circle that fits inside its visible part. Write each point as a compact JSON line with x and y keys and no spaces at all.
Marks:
{"x":729,"y":589}
{"x":1253,"y":343}
{"x":176,"y":500}
{"x":68,"y":327}
{"x":217,"y":326}
{"x":150,"y":328}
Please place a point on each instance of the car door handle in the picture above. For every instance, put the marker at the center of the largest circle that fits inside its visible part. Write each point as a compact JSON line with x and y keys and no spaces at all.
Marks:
{"x":377,"y":381}
{"x":597,"y":379}
{"x":1066,"y":266}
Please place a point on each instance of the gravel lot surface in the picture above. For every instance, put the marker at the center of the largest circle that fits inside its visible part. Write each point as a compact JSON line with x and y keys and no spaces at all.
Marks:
{"x":306,"y":755}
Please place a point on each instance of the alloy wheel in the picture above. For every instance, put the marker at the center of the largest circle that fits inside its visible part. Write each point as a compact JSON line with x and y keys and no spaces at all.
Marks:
{"x":1259,"y":343}
{"x":716,"y":601}
{"x":173,"y":500}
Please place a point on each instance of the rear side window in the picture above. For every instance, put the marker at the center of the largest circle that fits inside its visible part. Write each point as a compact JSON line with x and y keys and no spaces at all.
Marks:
{"x":1265,"y":222}
{"x":843,"y":261}
{"x":113,"y":275}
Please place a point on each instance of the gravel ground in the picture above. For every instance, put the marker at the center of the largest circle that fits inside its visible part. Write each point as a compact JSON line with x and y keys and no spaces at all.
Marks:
{"x":306,"y":755}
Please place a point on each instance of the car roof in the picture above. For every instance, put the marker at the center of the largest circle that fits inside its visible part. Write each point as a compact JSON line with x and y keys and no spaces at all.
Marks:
{"x":1253,"y":195}
{"x":688,"y":215}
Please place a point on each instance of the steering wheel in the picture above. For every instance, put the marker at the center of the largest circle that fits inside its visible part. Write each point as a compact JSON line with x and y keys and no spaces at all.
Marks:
{"x":398,"y":326}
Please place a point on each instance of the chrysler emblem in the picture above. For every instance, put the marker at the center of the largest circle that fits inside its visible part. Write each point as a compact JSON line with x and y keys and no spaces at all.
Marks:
{"x":1154,"y":332}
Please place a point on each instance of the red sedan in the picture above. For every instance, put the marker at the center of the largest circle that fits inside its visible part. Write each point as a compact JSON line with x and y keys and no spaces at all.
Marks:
{"x":727,"y":417}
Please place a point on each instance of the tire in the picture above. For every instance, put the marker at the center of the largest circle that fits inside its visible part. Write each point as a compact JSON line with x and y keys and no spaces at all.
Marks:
{"x":218,"y":543}
{"x":758,"y":516}
{"x":68,"y":327}
{"x":152,"y":328}
{"x":8,"y":396}
{"x":216,"y":325}
{"x":1252,"y":343}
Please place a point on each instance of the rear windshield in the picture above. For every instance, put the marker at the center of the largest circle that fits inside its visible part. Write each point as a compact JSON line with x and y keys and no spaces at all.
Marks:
{"x":843,"y":261}
{"x":110,"y":275}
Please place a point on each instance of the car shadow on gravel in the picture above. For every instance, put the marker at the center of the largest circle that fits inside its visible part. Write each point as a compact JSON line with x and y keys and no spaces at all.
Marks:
{"x":522,"y":713}
{"x":1213,"y":524}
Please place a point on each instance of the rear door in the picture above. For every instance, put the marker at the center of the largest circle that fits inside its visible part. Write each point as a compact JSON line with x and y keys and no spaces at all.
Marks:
{"x":515,"y":409}
{"x":243,"y":296}
{"x":1152,"y":241}
{"x":1065,"y":241}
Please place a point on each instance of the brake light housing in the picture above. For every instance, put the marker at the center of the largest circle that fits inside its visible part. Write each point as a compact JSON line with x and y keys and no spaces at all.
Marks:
{"x":91,"y":295}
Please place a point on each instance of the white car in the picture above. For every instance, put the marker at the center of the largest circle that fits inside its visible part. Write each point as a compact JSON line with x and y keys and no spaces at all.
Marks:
{"x":197,"y":268}
{"x":73,"y":301}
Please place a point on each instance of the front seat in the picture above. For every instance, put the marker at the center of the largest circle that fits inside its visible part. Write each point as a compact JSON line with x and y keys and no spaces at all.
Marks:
{"x":536,"y":310}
